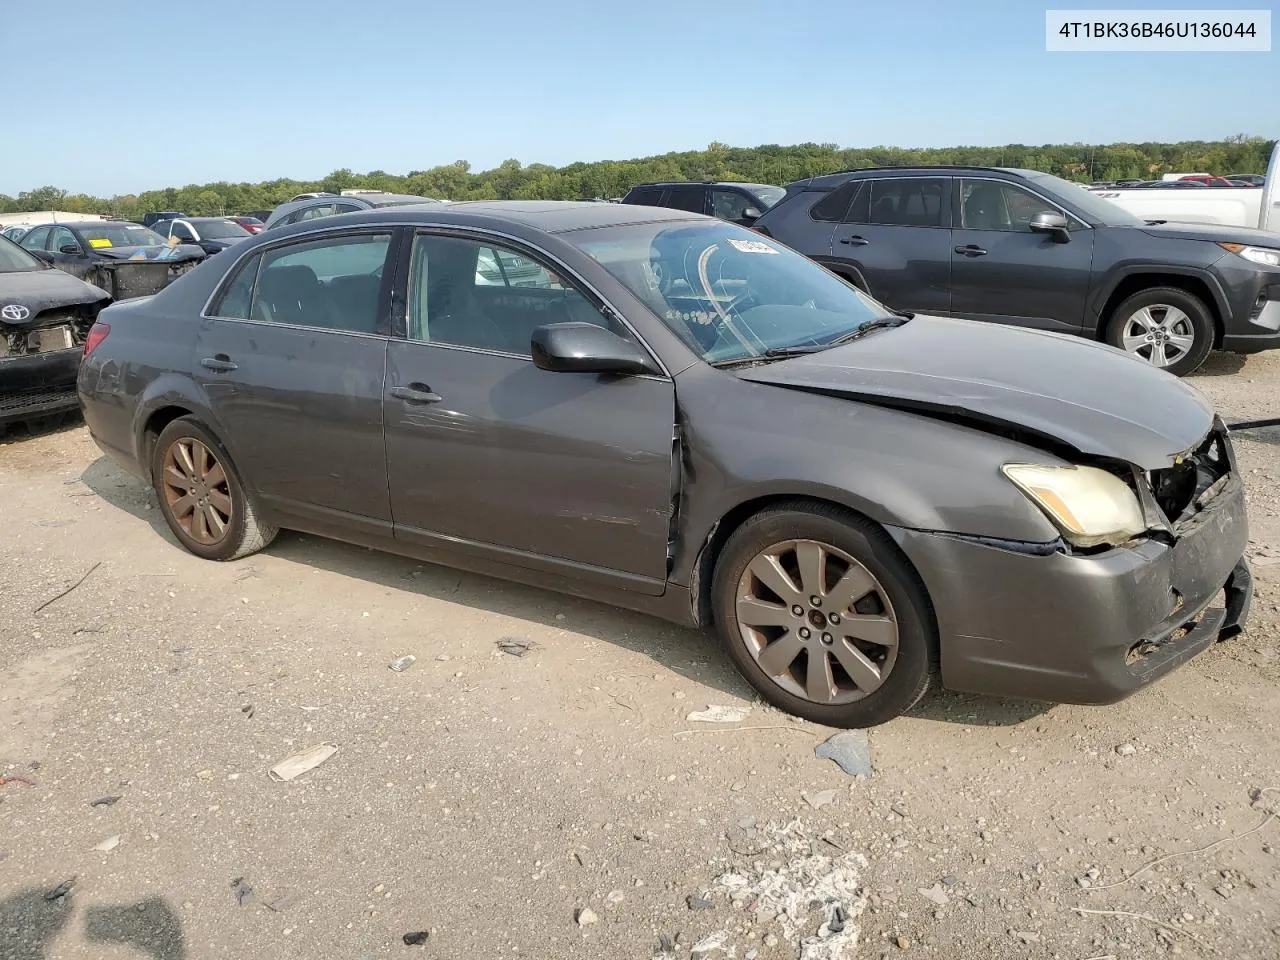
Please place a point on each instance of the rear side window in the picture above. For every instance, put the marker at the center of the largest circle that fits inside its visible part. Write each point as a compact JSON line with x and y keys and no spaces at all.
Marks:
{"x":646,"y":196}
{"x":833,"y":206}
{"x":35,"y":239}
{"x":235,"y":299}
{"x":909,"y":201}
{"x":687,"y":198}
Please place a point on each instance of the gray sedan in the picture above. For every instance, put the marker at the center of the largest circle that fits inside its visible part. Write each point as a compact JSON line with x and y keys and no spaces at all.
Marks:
{"x":674,"y":414}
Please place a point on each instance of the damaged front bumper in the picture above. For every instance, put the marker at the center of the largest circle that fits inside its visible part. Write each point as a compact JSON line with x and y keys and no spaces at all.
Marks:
{"x":1092,"y":629}
{"x":38,"y":369}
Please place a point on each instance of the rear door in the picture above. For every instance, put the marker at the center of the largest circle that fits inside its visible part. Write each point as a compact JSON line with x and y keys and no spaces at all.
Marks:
{"x":691,"y":197}
{"x":291,"y":359}
{"x":1003,"y":272}
{"x":895,"y":239}
{"x":68,"y":254}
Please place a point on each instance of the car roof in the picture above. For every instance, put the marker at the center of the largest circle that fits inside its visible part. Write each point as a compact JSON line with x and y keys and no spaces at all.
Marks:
{"x":547,"y":216}
{"x":700,"y":183}
{"x":832,"y":180}
{"x":82,"y":224}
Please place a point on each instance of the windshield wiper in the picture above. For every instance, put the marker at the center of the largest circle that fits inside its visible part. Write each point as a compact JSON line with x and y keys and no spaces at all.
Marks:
{"x":800,"y":349}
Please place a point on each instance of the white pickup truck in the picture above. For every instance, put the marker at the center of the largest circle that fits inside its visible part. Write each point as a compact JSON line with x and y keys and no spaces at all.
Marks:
{"x":1257,"y":207}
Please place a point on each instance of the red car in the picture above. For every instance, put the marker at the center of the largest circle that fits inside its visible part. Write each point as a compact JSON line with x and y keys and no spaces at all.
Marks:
{"x":1208,"y":180}
{"x":252,"y":224}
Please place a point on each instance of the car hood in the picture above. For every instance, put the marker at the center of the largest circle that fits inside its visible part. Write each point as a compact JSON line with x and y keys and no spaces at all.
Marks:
{"x":183,"y":251}
{"x":1052,"y":388}
{"x":1212,"y":232}
{"x":39,"y":290}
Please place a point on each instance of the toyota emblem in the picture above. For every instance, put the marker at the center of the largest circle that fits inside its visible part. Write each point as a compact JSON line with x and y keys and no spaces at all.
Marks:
{"x":14,"y":311}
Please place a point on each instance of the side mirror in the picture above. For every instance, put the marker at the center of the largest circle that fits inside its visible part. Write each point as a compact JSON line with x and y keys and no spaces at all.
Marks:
{"x":72,"y":249}
{"x":586,"y":348}
{"x":44,"y":255}
{"x":750,"y":216}
{"x":1052,"y":223}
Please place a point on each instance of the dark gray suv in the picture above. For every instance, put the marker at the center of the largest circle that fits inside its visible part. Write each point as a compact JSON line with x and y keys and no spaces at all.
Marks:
{"x":1034,"y":250}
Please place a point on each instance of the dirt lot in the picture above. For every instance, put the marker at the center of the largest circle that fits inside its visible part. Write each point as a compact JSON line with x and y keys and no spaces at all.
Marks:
{"x":486,"y":798}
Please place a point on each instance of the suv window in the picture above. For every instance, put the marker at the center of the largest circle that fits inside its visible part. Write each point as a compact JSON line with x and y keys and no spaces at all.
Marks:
{"x":335,"y":283}
{"x":731,"y":204}
{"x":908,"y":201}
{"x":346,"y":207}
{"x":646,"y":196}
{"x":34,"y":240}
{"x":181,"y":230}
{"x":692,"y":199}
{"x":313,"y":213}
{"x":488,"y":297}
{"x":988,"y":205}
{"x":833,"y":207}
{"x":62,"y":237}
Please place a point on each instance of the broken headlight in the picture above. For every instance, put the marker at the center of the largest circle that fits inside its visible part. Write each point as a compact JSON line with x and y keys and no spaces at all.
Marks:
{"x":1090,"y":506}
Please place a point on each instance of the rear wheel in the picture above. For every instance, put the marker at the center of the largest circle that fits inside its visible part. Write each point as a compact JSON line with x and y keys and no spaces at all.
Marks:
{"x":201,"y":495}
{"x":1165,"y":326}
{"x":821,"y":613}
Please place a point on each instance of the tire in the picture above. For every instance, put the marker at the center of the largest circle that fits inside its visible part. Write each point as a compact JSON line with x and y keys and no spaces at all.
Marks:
{"x":222,"y":524}
{"x":1185,"y":315}
{"x":855,"y":551}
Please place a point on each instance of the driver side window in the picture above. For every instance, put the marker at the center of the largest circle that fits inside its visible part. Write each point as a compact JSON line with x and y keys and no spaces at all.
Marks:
{"x":62,"y":237}
{"x":988,"y":205}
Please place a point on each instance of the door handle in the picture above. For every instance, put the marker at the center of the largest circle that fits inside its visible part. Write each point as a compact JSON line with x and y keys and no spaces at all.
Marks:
{"x":218,"y":363}
{"x":416,"y":393}
{"x":855,"y":241}
{"x":971,"y":250}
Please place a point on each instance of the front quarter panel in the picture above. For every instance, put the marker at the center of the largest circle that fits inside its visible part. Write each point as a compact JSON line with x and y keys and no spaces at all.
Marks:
{"x":744,"y":441}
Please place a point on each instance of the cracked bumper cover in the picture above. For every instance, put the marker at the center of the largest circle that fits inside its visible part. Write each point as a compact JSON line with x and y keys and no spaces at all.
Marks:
{"x":1085,"y":629}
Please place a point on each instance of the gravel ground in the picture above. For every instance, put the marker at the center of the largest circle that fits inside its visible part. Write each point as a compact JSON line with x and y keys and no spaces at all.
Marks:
{"x":559,"y":803}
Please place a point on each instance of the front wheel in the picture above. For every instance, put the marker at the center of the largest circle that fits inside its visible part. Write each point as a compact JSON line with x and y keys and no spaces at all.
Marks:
{"x":1165,"y":326}
{"x":822,"y":614}
{"x":201,"y":495}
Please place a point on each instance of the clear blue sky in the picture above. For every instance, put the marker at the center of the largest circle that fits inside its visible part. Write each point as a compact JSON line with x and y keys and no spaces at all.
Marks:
{"x":119,"y":96}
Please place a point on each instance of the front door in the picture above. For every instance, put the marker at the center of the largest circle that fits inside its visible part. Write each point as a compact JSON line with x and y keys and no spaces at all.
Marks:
{"x":896,"y":239}
{"x":565,"y":472}
{"x":292,"y":364}
{"x":1003,"y":272}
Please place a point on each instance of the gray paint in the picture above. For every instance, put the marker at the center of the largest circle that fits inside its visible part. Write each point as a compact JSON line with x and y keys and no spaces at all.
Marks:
{"x":614,"y":487}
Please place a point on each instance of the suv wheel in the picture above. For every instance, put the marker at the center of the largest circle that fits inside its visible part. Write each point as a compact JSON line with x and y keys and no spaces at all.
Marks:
{"x":821,"y":613}
{"x":1165,"y":326}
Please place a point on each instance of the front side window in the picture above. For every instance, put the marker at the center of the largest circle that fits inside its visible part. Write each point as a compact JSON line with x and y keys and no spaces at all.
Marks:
{"x":989,"y":205}
{"x":64,"y":240}
{"x":731,"y":205}
{"x":730,"y":294}
{"x":35,"y":239}
{"x":832,"y":207}
{"x":236,"y":300}
{"x":181,"y":230}
{"x":466,"y":293}
{"x":335,"y":284}
{"x":908,"y":201}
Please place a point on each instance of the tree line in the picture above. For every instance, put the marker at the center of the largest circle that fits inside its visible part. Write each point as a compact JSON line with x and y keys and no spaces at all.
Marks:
{"x":770,"y":163}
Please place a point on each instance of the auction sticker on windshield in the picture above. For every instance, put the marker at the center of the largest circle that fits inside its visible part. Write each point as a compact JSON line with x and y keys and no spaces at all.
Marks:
{"x":751,"y":246}
{"x":99,"y":242}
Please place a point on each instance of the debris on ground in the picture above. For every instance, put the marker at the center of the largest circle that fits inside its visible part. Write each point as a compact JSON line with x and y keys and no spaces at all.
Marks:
{"x":1126,"y":750}
{"x":711,"y":943}
{"x":666,"y":944}
{"x":61,"y":890}
{"x":515,"y":646}
{"x":801,"y":890}
{"x":295,"y":766}
{"x":819,"y":799}
{"x":105,"y":801}
{"x":936,"y":894}
{"x":53,"y":600}
{"x":401,"y":664}
{"x":247,"y":710}
{"x":850,"y":749}
{"x":109,"y":844}
{"x":584,"y":916}
{"x":720,"y":714}
{"x":698,"y":903}
{"x":243,"y":892}
{"x":417,"y":938}
{"x":281,"y":902}
{"x":22,"y":780}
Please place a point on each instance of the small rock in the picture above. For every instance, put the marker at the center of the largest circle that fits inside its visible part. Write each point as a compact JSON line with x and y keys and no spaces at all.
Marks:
{"x":417,"y":938}
{"x":243,"y":892}
{"x":104,"y":801}
{"x":850,"y":749}
{"x":205,"y":775}
{"x":1126,"y":750}
{"x":515,"y":646}
{"x":903,"y":943}
{"x":770,"y":940}
{"x":615,"y":896}
{"x":738,"y":785}
{"x":949,"y":881}
{"x":985,"y":836}
{"x":720,"y":714}
{"x":400,"y":665}
{"x":109,"y":844}
{"x":443,"y":658}
{"x":665,"y":944}
{"x":1027,"y":936}
{"x":899,"y":809}
{"x":935,"y":894}
{"x":698,"y":903}
{"x":585,"y":916}
{"x":819,"y":799}
{"x":711,"y":943}
{"x":61,"y":890}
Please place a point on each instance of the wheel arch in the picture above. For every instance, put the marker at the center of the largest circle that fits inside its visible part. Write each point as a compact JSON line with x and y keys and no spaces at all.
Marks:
{"x":169,"y":397}
{"x":1126,"y":284}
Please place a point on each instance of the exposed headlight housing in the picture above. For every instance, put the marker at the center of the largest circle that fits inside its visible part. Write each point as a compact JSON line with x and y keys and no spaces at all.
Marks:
{"x":1090,"y":506}
{"x":1263,"y":255}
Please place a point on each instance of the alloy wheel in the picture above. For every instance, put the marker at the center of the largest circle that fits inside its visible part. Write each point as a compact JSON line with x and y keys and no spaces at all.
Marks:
{"x":816,"y":621}
{"x":1160,"y":333}
{"x":196,"y":491}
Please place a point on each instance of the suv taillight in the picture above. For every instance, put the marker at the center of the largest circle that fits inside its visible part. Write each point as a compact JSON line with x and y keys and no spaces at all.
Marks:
{"x":97,"y":333}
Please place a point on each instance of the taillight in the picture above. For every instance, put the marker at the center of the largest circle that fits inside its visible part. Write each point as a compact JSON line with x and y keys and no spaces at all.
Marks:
{"x":97,"y":333}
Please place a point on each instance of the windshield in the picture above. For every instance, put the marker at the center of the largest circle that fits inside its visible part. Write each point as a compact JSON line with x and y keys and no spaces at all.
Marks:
{"x":399,"y":201}
{"x":221,"y":230}
{"x":13,"y":259}
{"x":99,"y":236}
{"x":1091,"y":204}
{"x":727,"y":292}
{"x":768,"y":195}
